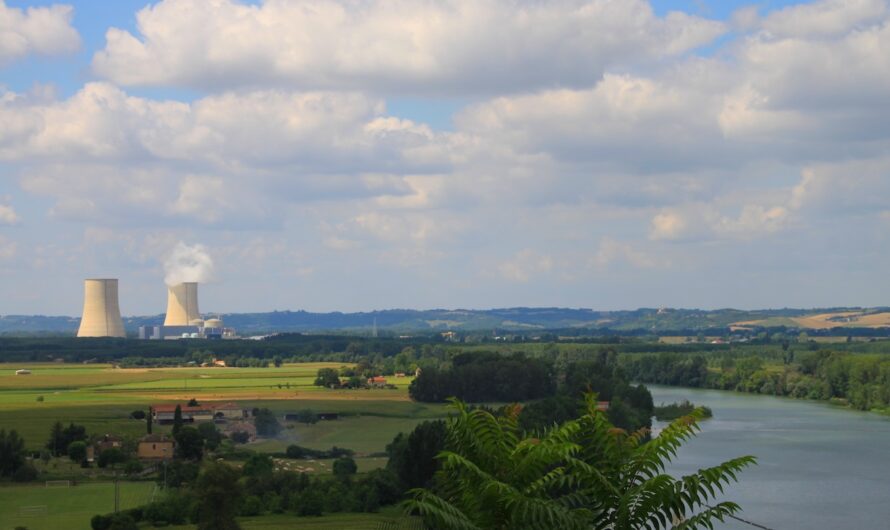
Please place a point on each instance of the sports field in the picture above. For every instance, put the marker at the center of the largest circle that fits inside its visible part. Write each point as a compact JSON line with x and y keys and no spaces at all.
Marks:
{"x":37,"y":507}
{"x":101,"y":397}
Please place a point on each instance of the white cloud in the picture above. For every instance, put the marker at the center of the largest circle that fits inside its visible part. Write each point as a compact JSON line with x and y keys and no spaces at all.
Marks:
{"x":526,"y":264}
{"x":8,"y":215}
{"x":617,"y":252}
{"x":454,"y":46}
{"x":8,"y":248}
{"x":825,"y":17}
{"x":42,"y":30}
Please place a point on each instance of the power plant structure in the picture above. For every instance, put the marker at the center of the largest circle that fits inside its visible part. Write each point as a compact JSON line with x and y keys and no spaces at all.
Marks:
{"x":182,"y":305}
{"x":102,"y":314}
{"x":101,"y":310}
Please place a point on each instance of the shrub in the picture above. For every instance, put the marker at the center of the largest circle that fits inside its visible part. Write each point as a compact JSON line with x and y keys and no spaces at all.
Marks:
{"x":252,"y":505}
{"x":26,"y":473}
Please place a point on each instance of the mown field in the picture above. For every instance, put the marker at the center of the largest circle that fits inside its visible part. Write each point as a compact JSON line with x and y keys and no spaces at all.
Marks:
{"x":101,"y":397}
{"x":37,"y":507}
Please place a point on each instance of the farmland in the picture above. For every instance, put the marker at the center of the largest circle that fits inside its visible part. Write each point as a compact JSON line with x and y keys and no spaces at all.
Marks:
{"x":101,"y":398}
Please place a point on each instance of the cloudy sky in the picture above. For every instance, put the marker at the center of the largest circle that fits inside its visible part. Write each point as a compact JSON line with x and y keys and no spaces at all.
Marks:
{"x":352,"y":155}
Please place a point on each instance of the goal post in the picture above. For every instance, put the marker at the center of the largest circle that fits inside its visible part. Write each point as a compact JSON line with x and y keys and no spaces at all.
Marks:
{"x":33,"y":511}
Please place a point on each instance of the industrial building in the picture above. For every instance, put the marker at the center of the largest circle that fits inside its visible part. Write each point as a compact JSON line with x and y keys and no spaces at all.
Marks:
{"x":101,"y":310}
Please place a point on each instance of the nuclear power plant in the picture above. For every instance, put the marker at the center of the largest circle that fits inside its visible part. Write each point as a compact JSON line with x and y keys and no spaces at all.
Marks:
{"x":102,"y":314}
{"x":101,"y":310}
{"x":182,"y":305}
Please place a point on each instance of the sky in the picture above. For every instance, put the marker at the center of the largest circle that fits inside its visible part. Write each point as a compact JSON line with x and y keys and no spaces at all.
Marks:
{"x":343,"y":155}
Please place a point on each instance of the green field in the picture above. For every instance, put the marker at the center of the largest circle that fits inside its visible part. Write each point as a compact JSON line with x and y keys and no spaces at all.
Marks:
{"x":101,"y":398}
{"x":387,"y":520}
{"x":37,"y":507}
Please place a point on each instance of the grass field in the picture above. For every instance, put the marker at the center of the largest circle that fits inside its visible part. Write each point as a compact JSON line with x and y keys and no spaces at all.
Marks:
{"x":386,"y":520}
{"x":101,"y":397}
{"x":37,"y":507}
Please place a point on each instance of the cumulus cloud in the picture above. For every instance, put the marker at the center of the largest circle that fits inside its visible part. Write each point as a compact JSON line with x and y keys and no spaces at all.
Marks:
{"x":41,"y":30}
{"x":8,"y":215}
{"x":456,"y":46}
{"x":524,"y":265}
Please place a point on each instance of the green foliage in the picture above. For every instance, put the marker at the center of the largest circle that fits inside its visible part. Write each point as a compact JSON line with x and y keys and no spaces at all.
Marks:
{"x":258,"y":465}
{"x":677,"y":410}
{"x":211,"y":435}
{"x":327,"y":377}
{"x":219,"y":495}
{"x":61,"y":437}
{"x":111,"y":457}
{"x":25,"y":473}
{"x":12,"y":452}
{"x":77,"y":451}
{"x":413,"y":457}
{"x":266,"y":423}
{"x":307,"y":416}
{"x":585,"y":473}
{"x":189,"y":443}
{"x":480,"y":377}
{"x":177,"y":420}
{"x":344,"y":467}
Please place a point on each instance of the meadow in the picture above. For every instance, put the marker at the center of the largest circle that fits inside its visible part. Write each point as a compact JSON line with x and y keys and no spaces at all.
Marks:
{"x":38,"y":507}
{"x":101,"y":397}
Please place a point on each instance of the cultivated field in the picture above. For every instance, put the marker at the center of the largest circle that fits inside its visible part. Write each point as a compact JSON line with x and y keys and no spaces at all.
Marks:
{"x":101,"y":397}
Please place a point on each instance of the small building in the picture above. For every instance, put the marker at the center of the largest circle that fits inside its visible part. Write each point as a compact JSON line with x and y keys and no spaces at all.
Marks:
{"x":377,"y":381}
{"x":23,"y":371}
{"x":164,"y":413}
{"x":107,"y":441}
{"x":155,"y":447}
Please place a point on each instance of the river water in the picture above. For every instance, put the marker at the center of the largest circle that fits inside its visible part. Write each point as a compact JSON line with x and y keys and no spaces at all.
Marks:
{"x":819,"y":466}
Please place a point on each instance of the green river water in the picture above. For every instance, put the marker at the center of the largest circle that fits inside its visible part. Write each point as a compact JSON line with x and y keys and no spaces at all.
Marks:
{"x":819,"y":466}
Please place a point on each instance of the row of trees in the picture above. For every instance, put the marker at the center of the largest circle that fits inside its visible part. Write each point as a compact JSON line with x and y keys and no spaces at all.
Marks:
{"x":863,"y":381}
{"x":478,"y":377}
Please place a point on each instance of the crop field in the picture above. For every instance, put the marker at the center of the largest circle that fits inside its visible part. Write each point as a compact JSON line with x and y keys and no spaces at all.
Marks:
{"x":386,"y":520}
{"x":101,"y":397}
{"x":37,"y":507}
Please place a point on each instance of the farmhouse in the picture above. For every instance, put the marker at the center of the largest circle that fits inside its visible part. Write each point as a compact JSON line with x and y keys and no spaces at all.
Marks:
{"x":155,"y":447}
{"x":163,"y":413}
{"x":377,"y":381}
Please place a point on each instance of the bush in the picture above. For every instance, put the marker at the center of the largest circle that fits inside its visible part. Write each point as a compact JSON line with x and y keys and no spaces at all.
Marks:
{"x":138,"y":415}
{"x":344,"y":467}
{"x":133,"y":467}
{"x":25,"y":473}
{"x":240,"y":437}
{"x":252,"y":505}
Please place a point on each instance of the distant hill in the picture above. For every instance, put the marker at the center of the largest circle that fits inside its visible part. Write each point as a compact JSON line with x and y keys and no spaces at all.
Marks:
{"x":526,"y":319}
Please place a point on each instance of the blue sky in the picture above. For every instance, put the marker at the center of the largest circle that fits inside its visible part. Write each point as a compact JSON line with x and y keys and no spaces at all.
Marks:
{"x":327,"y":155}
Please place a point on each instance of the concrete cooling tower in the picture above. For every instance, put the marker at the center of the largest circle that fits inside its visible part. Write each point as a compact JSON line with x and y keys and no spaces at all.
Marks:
{"x":101,"y":311}
{"x":182,"y":304}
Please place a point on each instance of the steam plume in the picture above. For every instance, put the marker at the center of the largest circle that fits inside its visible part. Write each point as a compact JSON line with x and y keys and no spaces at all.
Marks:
{"x":188,"y":264}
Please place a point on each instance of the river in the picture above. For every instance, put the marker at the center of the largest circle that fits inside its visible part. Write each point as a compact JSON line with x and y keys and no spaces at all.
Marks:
{"x":819,"y":466}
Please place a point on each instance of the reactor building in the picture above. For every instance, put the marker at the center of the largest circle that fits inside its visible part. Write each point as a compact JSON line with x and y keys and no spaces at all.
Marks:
{"x":101,"y":310}
{"x":183,"y":320}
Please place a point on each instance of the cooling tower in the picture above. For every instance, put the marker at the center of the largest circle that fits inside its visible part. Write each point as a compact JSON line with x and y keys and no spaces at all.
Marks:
{"x":101,"y":311}
{"x":182,"y":304}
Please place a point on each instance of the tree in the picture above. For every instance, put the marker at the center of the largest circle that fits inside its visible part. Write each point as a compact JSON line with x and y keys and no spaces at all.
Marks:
{"x":266,"y":423}
{"x":56,"y":443}
{"x":12,"y":452}
{"x":584,"y":473}
{"x":77,"y":451}
{"x":111,"y":457}
{"x":177,"y":420}
{"x":193,"y":402}
{"x":138,"y":414}
{"x":307,"y":416}
{"x":219,"y":496}
{"x":344,"y":467}
{"x":413,"y":457}
{"x":258,"y":465}
{"x":327,"y":377}
{"x":277,"y":361}
{"x":212,"y":436}
{"x":189,"y":443}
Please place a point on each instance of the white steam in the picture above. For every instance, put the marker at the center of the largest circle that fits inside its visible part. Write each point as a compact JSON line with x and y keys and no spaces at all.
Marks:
{"x":188,"y":264}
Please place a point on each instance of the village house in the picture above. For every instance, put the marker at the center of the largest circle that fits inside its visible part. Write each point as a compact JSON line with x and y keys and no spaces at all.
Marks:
{"x":163,"y":413}
{"x":155,"y":447}
{"x":377,"y":381}
{"x":107,"y":441}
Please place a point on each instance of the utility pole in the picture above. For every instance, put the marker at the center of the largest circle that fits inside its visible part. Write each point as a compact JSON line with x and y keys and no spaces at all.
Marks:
{"x":117,"y":494}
